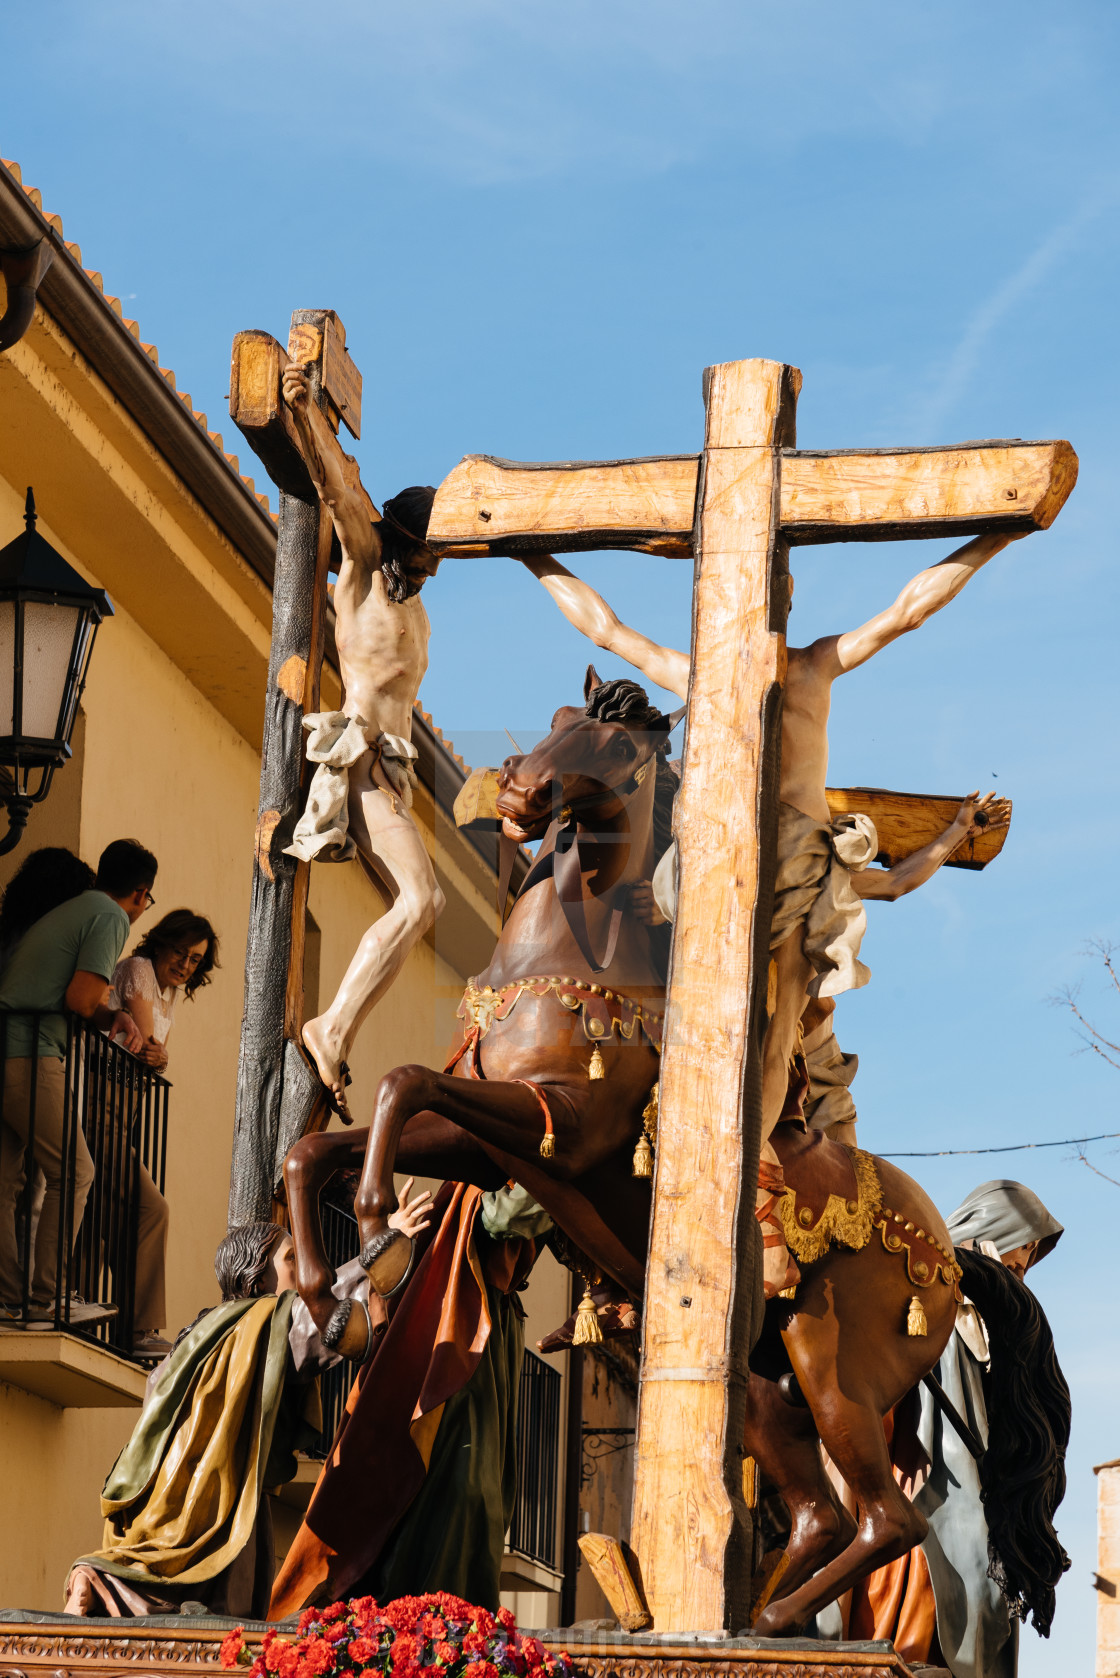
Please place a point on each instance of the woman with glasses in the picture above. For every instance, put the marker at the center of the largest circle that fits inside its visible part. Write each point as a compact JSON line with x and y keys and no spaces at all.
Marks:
{"x":178,"y":954}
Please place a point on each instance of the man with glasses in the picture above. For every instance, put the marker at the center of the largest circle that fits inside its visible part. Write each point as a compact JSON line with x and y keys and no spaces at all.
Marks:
{"x":64,"y":963}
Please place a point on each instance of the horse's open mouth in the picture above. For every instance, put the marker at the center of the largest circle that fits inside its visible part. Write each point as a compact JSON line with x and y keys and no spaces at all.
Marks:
{"x":524,"y":830}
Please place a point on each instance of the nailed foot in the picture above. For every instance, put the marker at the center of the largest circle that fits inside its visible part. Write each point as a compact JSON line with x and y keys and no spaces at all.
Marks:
{"x":332,"y":1069}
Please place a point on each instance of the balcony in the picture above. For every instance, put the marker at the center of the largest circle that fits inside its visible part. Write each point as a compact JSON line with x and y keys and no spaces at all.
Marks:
{"x":120,"y":1107}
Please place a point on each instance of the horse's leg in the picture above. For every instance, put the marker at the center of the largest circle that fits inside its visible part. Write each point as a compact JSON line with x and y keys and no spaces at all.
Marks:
{"x":308,"y":1167}
{"x":783,"y":1440}
{"x":507,"y":1114}
{"x":432,"y":1146}
{"x":506,"y":1118}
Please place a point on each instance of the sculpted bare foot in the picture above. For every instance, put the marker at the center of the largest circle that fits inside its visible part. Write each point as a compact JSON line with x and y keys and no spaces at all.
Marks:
{"x":332,"y":1069}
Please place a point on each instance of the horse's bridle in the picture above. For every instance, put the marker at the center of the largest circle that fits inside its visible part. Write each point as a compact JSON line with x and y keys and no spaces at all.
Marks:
{"x":565,"y":863}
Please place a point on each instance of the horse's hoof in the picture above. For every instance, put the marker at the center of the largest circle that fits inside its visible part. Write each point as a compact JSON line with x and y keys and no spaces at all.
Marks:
{"x":387,"y":1261}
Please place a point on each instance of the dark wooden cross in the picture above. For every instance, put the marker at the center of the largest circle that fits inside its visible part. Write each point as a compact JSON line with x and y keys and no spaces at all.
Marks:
{"x":275,"y":1087}
{"x":736,"y":509}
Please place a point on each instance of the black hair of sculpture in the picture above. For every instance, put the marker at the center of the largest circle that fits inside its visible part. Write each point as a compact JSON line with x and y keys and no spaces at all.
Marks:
{"x":1022,"y":1472}
{"x":403,"y":527}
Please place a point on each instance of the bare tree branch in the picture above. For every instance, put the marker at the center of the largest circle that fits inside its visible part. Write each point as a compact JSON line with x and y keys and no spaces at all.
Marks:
{"x":1081,"y":1156}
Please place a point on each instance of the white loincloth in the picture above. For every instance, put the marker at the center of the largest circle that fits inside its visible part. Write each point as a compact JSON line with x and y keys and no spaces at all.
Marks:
{"x":813,"y":888}
{"x":336,"y":742}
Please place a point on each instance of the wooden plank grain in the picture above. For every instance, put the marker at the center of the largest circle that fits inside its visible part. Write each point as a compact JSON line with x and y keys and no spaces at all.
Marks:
{"x":884,"y":495}
{"x":691,"y":1529}
{"x":875,"y":495}
{"x":526,"y":507}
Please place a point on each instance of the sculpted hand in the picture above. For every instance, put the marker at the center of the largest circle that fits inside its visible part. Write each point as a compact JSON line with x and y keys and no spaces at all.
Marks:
{"x":976,"y":814}
{"x":411,"y":1216}
{"x":296,"y":388}
{"x":643,"y":904}
{"x":124,"y":1027}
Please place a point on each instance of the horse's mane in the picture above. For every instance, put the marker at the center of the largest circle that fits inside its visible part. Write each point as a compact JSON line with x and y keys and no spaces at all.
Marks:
{"x":1022,"y":1472}
{"x":621,"y":700}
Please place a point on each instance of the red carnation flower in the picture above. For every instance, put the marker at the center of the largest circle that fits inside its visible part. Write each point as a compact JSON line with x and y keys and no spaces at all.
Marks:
{"x":474,"y":1643}
{"x":290,"y":1661}
{"x":318,"y":1658}
{"x":230,"y":1653}
{"x":447,"y":1653}
{"x":362,"y":1650}
{"x":481,"y":1669}
{"x":505,"y":1618}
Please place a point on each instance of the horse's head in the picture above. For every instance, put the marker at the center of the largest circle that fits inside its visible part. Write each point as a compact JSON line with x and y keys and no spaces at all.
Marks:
{"x":595,"y":757}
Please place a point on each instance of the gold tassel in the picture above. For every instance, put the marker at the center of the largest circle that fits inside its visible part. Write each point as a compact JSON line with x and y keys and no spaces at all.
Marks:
{"x":596,"y":1069}
{"x":643,"y":1158}
{"x":587,"y":1331}
{"x":916,"y":1323}
{"x":548,"y":1145}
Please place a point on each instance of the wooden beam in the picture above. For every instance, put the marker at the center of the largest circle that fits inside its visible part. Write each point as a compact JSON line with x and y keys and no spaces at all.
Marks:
{"x":260,"y":413}
{"x":488,"y":505}
{"x":272,"y":1078}
{"x":691,"y":1528}
{"x":905,"y":821}
{"x":887,"y":495}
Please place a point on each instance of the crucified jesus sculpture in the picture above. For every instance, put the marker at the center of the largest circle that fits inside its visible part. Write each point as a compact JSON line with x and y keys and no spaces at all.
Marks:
{"x":360,"y":799}
{"x":818,"y":914}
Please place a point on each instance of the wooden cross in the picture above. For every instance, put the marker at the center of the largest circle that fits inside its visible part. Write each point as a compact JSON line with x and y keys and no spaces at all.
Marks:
{"x":736,"y":508}
{"x":274,"y":1084}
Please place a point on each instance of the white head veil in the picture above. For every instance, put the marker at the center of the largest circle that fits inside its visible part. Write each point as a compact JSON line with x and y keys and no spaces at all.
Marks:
{"x":1007,"y":1214}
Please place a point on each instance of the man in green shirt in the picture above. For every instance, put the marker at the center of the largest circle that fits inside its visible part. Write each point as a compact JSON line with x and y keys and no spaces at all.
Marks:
{"x":64,"y":963}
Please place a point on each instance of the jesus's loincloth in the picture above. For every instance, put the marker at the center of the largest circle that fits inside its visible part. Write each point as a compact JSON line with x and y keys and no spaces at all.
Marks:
{"x":336,"y":742}
{"x":813,"y":889}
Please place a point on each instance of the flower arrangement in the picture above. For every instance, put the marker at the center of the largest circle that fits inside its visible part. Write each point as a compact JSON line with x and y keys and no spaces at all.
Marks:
{"x":434,"y":1636}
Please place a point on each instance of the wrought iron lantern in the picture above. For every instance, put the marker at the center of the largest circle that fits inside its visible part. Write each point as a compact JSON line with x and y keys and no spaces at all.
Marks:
{"x":49,"y":616}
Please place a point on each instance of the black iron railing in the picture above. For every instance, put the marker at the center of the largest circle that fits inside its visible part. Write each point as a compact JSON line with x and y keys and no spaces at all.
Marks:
{"x":340,"y":1243}
{"x":532,"y":1531}
{"x":119,"y":1107}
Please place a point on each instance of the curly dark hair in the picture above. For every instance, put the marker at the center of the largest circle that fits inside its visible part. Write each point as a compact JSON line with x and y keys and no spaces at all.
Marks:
{"x":242,"y":1259}
{"x":1022,"y":1472}
{"x":179,"y":927}
{"x":403,"y":527}
{"x":45,"y":878}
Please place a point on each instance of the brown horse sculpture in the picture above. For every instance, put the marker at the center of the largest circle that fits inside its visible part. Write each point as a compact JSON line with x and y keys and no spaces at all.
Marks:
{"x":561,"y":1032}
{"x":548,"y":1086}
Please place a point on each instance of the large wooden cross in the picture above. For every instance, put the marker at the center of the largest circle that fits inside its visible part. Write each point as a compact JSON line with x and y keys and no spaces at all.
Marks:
{"x":274,"y":1084}
{"x":736,"y":509}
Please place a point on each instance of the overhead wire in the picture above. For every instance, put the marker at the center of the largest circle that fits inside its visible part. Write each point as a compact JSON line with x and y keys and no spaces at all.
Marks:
{"x":1008,"y":1148}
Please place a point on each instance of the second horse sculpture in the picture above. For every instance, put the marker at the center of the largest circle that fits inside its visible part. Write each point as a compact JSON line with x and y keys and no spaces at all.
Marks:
{"x":550,"y":1085}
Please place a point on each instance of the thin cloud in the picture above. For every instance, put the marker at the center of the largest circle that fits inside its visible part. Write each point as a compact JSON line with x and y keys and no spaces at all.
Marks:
{"x":965,"y":359}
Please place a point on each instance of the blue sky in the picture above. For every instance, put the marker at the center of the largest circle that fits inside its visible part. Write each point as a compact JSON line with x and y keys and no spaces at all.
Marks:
{"x":539,"y":222}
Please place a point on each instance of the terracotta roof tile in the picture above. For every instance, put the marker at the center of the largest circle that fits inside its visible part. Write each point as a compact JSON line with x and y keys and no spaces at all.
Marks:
{"x":96,"y":280}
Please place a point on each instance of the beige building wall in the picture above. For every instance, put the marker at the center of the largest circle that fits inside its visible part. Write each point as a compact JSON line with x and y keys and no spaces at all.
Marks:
{"x":167,"y":751}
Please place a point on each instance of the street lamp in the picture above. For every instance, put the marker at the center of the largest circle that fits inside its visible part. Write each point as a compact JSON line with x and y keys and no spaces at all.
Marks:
{"x":48,"y":620}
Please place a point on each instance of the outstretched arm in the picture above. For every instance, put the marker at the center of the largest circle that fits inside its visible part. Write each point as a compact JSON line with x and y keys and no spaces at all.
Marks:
{"x":592,"y":616}
{"x":345,"y":501}
{"x":913,"y":871}
{"x":924,"y":595}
